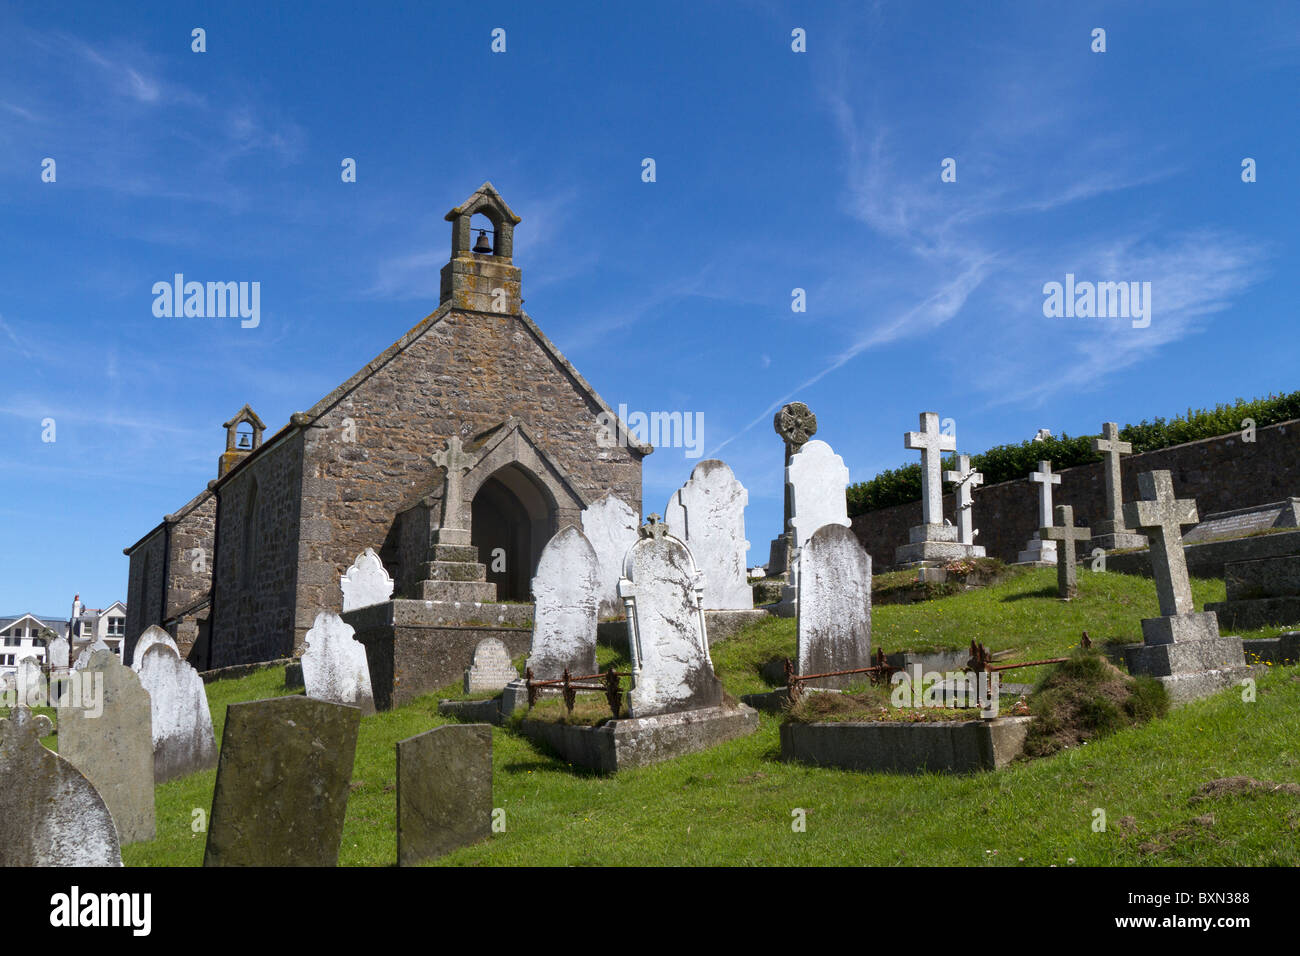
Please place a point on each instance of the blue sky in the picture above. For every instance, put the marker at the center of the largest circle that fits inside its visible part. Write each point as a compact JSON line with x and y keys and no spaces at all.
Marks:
{"x":775,"y":170}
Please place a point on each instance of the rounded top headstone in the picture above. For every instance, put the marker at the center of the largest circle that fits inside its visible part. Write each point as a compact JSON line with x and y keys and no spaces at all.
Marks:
{"x":795,"y":423}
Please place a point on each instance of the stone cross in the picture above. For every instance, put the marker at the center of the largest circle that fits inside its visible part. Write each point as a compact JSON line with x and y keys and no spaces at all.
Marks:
{"x":1045,"y":479}
{"x":796,"y":424}
{"x":932,"y":443}
{"x":1113,"y":449}
{"x":1163,"y":515}
{"x":967,"y":480}
{"x":456,"y":463}
{"x":1067,"y":579}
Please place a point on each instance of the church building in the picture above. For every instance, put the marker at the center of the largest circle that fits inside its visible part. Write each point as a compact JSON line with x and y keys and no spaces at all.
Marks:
{"x":456,"y":454}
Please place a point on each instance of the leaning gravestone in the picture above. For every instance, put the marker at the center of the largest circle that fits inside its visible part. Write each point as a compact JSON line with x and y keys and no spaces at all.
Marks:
{"x":50,"y":815}
{"x":109,"y":738}
{"x":566,"y":599}
{"x":183,"y":740}
{"x":153,"y":634}
{"x":444,"y":791}
{"x":834,"y":620}
{"x":490,"y":667}
{"x":366,"y":582}
{"x":611,"y":526}
{"x":282,"y":783}
{"x":662,"y":588}
{"x":32,"y":690}
{"x":708,"y":515}
{"x":334,"y":665}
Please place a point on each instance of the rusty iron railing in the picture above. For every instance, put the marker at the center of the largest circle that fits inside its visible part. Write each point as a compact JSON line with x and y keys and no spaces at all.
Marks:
{"x":570,"y":685}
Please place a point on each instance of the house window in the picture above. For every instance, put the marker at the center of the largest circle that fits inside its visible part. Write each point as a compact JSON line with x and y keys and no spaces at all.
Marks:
{"x":6,"y":658}
{"x":117,"y":627}
{"x":13,"y":640}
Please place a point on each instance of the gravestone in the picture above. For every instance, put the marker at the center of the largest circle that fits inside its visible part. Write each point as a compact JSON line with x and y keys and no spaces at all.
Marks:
{"x":282,"y":783}
{"x":796,"y":424}
{"x":1260,"y":592}
{"x":1040,"y":550}
{"x":32,"y":687}
{"x":183,"y":739}
{"x":490,"y":669}
{"x":84,"y":657}
{"x":59,"y":653}
{"x":965,"y":480}
{"x":834,"y":625}
{"x":153,"y":634}
{"x":663,"y":590}
{"x":1243,"y":522}
{"x":817,"y":478}
{"x":611,"y":526}
{"x":334,"y":664}
{"x":1112,"y":533}
{"x":566,"y":600}
{"x":454,"y":527}
{"x":50,"y":814}
{"x":708,"y":515}
{"x":366,"y":582}
{"x":1067,"y":575}
{"x":109,"y":738}
{"x":1182,"y":649}
{"x":932,"y":540}
{"x":444,"y":791}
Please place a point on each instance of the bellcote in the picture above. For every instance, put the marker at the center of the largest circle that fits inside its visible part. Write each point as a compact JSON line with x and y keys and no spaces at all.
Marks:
{"x":481,"y":276}
{"x":243,"y":435}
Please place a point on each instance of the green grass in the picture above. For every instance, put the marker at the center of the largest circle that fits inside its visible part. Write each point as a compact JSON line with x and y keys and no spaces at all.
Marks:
{"x":733,"y":804}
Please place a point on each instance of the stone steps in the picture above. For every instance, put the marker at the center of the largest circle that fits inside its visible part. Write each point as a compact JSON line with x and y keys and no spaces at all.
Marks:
{"x":480,"y":592}
{"x":453,"y":571}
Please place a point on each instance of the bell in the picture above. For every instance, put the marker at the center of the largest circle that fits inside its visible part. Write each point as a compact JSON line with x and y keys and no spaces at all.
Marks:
{"x":482,"y":246}
{"x":243,"y":440}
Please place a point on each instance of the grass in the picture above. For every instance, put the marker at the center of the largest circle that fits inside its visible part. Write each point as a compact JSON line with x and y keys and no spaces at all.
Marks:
{"x":734,"y":804}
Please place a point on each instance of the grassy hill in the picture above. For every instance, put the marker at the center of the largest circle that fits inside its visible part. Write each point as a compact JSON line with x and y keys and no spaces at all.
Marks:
{"x":734,"y":804}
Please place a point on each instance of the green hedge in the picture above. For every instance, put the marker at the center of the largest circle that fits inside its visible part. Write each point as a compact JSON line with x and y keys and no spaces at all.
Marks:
{"x":899,"y":486}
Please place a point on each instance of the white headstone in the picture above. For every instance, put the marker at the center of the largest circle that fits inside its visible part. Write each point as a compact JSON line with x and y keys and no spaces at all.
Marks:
{"x":566,"y":596}
{"x":663,"y":590}
{"x":834,"y":627}
{"x":490,"y":669}
{"x":84,"y":657}
{"x":611,"y":526}
{"x":32,"y":689}
{"x":59,"y":652}
{"x":183,"y":740}
{"x":366,"y":582}
{"x":334,"y":666}
{"x":708,"y":515}
{"x":818,"y":479}
{"x":153,"y":634}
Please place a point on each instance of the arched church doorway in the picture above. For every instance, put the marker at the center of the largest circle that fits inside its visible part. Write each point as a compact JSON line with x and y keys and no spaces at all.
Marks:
{"x":512,"y":519}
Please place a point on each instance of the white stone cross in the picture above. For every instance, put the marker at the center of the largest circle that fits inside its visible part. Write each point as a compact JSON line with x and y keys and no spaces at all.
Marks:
{"x":1163,"y":515}
{"x":967,"y":480}
{"x":932,"y":443}
{"x":1045,"y":479}
{"x":1113,"y":448}
{"x":456,"y":463}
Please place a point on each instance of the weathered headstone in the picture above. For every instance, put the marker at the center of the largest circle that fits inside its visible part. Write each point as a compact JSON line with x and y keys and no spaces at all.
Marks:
{"x":566,"y":599}
{"x":110,"y":740}
{"x":932,"y":540}
{"x":153,"y":634}
{"x":50,"y":814}
{"x":834,"y":626}
{"x":1112,"y":532}
{"x":282,"y":783}
{"x":183,"y":739}
{"x":611,"y":526}
{"x":59,"y":653}
{"x":1040,"y":550}
{"x":33,"y":689}
{"x":708,"y":515}
{"x":444,"y":791}
{"x":83,"y":658}
{"x":966,"y":479}
{"x":1067,"y":575}
{"x":663,"y":590}
{"x":1182,"y":649}
{"x":490,"y":668}
{"x":817,"y":478}
{"x":334,"y":665}
{"x":366,"y":582}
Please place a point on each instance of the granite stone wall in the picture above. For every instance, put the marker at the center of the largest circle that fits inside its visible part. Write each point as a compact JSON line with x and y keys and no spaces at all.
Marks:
{"x":144,"y":586}
{"x":1221,"y":473}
